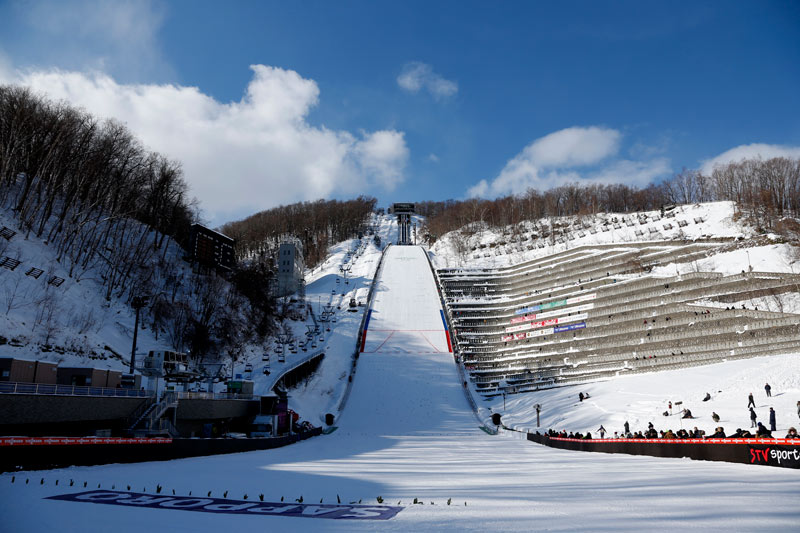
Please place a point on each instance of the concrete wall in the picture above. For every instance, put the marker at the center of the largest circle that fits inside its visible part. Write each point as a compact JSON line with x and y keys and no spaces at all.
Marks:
{"x":18,"y":409}
{"x":216,"y":409}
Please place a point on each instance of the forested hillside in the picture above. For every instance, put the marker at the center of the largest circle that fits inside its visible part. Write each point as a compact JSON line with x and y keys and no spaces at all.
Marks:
{"x":764,"y":190}
{"x":317,"y":225}
{"x":111,"y":214}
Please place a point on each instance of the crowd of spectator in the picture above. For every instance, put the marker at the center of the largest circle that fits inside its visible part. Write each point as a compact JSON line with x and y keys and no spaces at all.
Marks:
{"x":695,"y":433}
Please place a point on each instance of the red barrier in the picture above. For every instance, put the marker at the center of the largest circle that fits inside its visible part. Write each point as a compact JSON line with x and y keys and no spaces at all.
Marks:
{"x":55,"y":441}
{"x":782,"y":442}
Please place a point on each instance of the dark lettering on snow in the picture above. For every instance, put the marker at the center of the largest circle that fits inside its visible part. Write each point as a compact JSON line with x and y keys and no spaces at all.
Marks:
{"x":219,"y":505}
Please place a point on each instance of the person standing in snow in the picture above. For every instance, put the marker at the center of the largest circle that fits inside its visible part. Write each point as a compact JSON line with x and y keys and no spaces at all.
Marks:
{"x":771,"y":419}
{"x":798,"y":409}
{"x":753,"y":418}
{"x":627,"y":428}
{"x":602,"y":431}
{"x":670,"y":407}
{"x":750,"y":401}
{"x":768,"y":390}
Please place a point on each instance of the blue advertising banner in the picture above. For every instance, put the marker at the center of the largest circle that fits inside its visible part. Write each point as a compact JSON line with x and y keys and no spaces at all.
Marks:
{"x":219,"y":505}
{"x":569,"y":327}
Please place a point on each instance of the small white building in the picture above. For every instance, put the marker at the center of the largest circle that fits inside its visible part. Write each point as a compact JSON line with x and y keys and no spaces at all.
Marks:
{"x":291,"y":269}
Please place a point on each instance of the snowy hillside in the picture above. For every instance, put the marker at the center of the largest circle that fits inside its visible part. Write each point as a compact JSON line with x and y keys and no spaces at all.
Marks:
{"x":485,"y":248}
{"x":72,"y":323}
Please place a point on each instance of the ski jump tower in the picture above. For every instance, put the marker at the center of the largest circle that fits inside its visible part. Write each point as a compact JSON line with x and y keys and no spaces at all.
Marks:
{"x":403,"y":211}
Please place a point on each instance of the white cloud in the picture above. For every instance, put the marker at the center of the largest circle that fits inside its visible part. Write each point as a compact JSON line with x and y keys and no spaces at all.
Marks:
{"x":242,"y":156}
{"x":417,"y":76}
{"x":749,"y":151}
{"x":577,"y":154}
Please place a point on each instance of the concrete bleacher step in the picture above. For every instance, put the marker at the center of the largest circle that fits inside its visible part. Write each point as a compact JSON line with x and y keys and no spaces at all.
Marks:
{"x":482,"y":303}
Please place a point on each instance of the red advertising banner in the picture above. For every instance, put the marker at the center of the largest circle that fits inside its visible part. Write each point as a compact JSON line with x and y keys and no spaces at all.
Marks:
{"x":61,"y":441}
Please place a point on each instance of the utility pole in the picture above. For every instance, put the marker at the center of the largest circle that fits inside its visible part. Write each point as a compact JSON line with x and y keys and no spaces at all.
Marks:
{"x":137,"y":303}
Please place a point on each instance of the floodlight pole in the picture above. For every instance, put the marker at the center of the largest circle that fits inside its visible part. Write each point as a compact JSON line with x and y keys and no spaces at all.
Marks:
{"x":137,"y":303}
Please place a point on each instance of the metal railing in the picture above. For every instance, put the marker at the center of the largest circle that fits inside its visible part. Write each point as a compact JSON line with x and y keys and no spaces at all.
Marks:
{"x":12,"y":387}
{"x":188,"y":395}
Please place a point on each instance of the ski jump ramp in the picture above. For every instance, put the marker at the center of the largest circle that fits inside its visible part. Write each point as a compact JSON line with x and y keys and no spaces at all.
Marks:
{"x":407,"y":382}
{"x":406,"y":315}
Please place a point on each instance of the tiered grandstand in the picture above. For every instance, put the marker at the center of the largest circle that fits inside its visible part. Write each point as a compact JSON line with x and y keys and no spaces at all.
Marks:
{"x":596,"y":311}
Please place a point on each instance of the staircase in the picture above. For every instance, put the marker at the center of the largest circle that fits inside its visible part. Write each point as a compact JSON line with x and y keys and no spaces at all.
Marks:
{"x":151,"y":421}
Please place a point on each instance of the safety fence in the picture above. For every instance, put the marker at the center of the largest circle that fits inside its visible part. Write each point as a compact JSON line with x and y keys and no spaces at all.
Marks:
{"x":783,"y":453}
{"x":10,"y":387}
{"x":361,"y":338}
{"x":73,"y":441}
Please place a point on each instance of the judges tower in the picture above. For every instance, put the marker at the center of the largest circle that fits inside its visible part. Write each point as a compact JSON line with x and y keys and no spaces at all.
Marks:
{"x":403,"y":211}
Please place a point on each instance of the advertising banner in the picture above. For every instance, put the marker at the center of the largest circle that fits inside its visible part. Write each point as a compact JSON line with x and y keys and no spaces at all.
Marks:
{"x":539,"y":333}
{"x":785,"y":456}
{"x":569,"y":327}
{"x":582,"y":298}
{"x":545,"y":323}
{"x":223,"y":506}
{"x":566,"y":310}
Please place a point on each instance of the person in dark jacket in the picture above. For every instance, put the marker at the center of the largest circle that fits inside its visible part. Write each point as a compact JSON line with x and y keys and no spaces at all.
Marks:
{"x":768,"y":390}
{"x":762,"y":431}
{"x":719,"y":433}
{"x":750,"y":401}
{"x":771,"y":419}
{"x":753,"y":418}
{"x":714,"y":417}
{"x":792,"y":434}
{"x":627,"y":427}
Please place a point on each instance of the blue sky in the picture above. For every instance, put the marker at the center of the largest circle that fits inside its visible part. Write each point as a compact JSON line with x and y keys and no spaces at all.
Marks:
{"x":419,"y":100}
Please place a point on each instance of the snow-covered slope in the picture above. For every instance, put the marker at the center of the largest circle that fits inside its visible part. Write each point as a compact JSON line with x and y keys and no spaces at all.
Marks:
{"x":407,"y":434}
{"x":498,"y":248}
{"x":84,"y":329}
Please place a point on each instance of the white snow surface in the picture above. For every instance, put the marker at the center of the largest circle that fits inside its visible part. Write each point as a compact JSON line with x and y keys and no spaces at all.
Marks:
{"x":408,"y":433}
{"x":714,"y":219}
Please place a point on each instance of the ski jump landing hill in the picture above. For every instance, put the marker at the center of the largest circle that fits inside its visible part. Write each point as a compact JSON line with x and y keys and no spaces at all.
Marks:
{"x":407,"y":381}
{"x":407,"y":433}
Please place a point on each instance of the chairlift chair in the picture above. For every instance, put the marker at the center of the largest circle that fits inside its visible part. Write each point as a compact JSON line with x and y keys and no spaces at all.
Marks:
{"x":281,"y":358}
{"x":265,"y":358}
{"x":248,"y":368}
{"x":279,"y":349}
